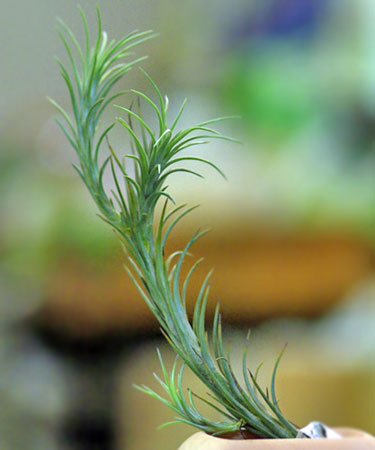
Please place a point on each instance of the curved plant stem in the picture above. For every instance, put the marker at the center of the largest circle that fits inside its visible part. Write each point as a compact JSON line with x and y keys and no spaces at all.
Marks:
{"x":130,"y":210}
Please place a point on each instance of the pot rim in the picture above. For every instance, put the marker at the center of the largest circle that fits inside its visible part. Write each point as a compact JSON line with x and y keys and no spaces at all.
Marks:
{"x":351,"y":439}
{"x":346,"y":433}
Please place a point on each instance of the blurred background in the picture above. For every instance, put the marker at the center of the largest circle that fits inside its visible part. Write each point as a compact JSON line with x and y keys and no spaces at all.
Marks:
{"x":292,"y":244}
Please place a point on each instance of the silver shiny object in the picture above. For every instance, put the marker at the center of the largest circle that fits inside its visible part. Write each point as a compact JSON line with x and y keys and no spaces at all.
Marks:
{"x":317,"y":430}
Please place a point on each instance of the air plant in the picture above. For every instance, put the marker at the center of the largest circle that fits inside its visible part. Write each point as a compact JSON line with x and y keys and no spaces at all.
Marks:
{"x":155,"y":154}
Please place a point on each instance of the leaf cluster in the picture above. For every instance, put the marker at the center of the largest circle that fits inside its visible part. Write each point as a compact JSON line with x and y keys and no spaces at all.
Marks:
{"x":130,"y":210}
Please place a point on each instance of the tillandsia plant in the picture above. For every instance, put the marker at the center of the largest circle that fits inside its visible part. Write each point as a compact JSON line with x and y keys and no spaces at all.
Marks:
{"x":130,"y":210}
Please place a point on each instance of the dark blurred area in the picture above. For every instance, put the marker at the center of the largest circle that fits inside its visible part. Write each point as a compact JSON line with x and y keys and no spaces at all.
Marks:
{"x":292,"y":244}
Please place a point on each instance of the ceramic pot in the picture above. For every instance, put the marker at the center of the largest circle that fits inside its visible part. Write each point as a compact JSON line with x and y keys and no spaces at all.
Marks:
{"x":352,"y":440}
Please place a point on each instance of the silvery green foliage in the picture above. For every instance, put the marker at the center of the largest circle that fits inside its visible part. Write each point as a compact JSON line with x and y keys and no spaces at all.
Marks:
{"x":130,"y":211}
